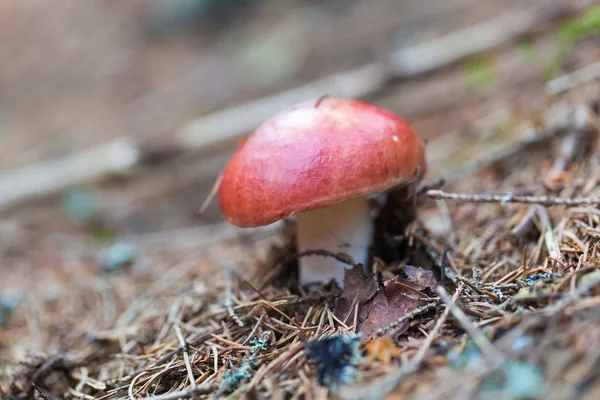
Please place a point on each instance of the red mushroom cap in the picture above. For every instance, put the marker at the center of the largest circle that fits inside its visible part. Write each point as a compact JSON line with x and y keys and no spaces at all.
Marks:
{"x":316,"y":155}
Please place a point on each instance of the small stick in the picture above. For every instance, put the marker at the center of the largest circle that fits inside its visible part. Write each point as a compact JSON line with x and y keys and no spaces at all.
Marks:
{"x":321,"y":320}
{"x":43,"y":393}
{"x":211,"y":196}
{"x":562,"y":83}
{"x":352,"y":309}
{"x":590,"y":283}
{"x":183,"y":394}
{"x":487,"y":349}
{"x":436,"y":329}
{"x":526,"y":223}
{"x":355,"y":322}
{"x":229,"y":343}
{"x":46,"y":368}
{"x":443,"y":265}
{"x":278,"y":311}
{"x":255,"y":289}
{"x":3,"y":395}
{"x":186,"y":356}
{"x":216,"y":359}
{"x":260,"y":320}
{"x":229,"y":293}
{"x":525,"y":262}
{"x":320,"y":99}
{"x":510,"y":198}
{"x":478,"y":290}
{"x":132,"y":384}
{"x":417,"y":311}
{"x":412,"y":289}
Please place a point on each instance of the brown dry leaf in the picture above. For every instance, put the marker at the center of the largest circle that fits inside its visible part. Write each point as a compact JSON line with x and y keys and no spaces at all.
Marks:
{"x":377,"y":309}
{"x":420,"y":278}
{"x":356,"y":286}
{"x":383,"y":349}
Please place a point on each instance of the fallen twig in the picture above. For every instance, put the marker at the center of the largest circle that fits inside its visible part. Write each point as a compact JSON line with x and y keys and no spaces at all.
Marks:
{"x":417,"y":311}
{"x":182,"y":394}
{"x":592,"y":281}
{"x":186,"y":356}
{"x":229,"y":292}
{"x":572,"y":147}
{"x":490,"y":353}
{"x":575,"y":78}
{"x":46,"y":368}
{"x":438,"y":326}
{"x":43,"y":393}
{"x":510,"y":198}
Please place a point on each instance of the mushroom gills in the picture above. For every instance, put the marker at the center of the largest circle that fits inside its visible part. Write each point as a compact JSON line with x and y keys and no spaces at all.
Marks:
{"x":346,"y":227}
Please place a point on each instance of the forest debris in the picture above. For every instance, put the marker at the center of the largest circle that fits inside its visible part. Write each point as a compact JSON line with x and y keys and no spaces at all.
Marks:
{"x":510,"y":198}
{"x":378,"y":308}
{"x":465,"y":42}
{"x":43,"y":393}
{"x":358,"y":291}
{"x":233,"y":377}
{"x":492,"y":356}
{"x":573,"y":146}
{"x":575,"y":78}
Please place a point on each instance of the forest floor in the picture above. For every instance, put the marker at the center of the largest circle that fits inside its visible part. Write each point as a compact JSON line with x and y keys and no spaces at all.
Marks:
{"x":119,"y":290}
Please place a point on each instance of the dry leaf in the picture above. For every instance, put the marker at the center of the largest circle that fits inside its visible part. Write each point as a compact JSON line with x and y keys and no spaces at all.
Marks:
{"x":356,"y":286}
{"x":377,"y":309}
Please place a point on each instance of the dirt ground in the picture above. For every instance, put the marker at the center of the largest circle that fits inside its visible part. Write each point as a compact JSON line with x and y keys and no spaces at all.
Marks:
{"x":79,"y":73}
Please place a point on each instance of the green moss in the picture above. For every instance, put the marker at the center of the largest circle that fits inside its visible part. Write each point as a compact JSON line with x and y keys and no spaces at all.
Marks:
{"x":569,"y":33}
{"x":479,"y":72}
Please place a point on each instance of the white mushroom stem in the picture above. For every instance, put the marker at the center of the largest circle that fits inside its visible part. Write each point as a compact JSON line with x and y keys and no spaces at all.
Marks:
{"x":346,"y":227}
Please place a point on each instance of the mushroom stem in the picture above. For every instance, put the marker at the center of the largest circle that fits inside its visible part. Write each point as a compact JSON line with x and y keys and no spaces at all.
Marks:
{"x":346,"y":227}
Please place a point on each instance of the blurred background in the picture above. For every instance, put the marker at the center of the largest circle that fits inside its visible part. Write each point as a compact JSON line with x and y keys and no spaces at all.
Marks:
{"x":80,"y":73}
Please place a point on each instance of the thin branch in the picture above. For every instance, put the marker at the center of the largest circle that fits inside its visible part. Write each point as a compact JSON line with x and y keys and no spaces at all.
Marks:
{"x":211,"y":196}
{"x":227,"y":267}
{"x":3,"y":395}
{"x":465,"y":42}
{"x":490,"y":353}
{"x":43,"y":393}
{"x":578,"y":77}
{"x":592,"y":281}
{"x":278,"y":311}
{"x":186,"y":356}
{"x":436,"y":329}
{"x":182,"y":394}
{"x":115,"y":157}
{"x":510,"y":198}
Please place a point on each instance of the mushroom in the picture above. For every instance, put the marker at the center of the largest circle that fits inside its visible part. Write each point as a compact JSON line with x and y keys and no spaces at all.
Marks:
{"x":319,"y":162}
